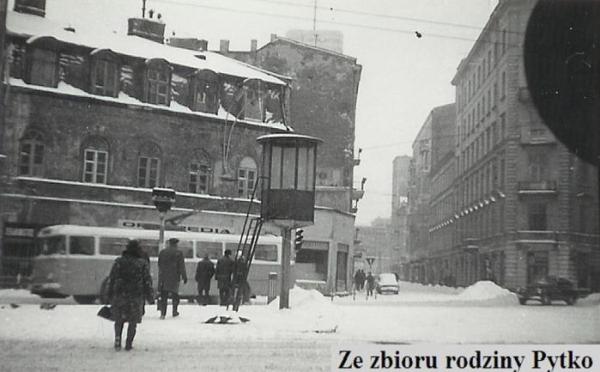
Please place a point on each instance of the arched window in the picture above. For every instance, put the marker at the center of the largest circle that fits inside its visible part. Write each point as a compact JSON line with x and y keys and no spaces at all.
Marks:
{"x":95,"y":160}
{"x":158,"y":81}
{"x":246,"y":177}
{"x":31,"y":155}
{"x":149,"y":165}
{"x":105,"y":73}
{"x":199,"y":173}
{"x":204,"y":91}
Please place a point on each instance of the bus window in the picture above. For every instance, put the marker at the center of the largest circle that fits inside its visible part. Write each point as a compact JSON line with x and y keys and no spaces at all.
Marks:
{"x":81,"y":245}
{"x":54,"y":245}
{"x":187,"y":248}
{"x":113,"y":246}
{"x":266,"y":252}
{"x":150,"y":246}
{"x":214,"y":250}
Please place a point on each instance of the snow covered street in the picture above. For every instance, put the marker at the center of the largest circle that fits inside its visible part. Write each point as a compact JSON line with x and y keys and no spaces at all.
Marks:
{"x":73,"y":338}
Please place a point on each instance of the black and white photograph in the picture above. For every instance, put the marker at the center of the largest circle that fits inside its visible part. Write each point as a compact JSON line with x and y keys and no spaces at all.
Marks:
{"x":245,"y":185}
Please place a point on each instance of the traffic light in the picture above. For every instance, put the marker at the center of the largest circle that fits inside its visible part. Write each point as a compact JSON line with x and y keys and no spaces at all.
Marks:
{"x":299,"y":239}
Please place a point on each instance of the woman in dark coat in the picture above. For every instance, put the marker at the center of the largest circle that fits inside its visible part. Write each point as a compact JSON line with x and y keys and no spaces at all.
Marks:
{"x":130,"y":284}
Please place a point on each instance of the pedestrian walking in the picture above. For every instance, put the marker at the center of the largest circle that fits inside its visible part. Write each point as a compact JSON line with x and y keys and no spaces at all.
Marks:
{"x":357,"y":280}
{"x":130,"y":284}
{"x":171,"y":270}
{"x":361,"y":279}
{"x":223,"y":275}
{"x":204,"y":273}
{"x":370,"y":284}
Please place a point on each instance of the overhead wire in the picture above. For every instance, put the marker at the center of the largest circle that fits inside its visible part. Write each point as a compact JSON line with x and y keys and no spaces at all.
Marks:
{"x":348,"y":24}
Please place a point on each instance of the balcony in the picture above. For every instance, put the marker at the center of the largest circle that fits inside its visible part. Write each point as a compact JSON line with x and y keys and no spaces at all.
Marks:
{"x":536,"y":237}
{"x":471,"y":244}
{"x":536,"y":136}
{"x":537,"y":187}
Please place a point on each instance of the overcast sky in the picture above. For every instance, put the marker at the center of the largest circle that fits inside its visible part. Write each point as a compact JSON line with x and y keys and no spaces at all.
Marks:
{"x":403,"y":76}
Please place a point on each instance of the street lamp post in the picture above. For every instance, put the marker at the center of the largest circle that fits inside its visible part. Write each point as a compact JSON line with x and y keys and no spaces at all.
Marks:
{"x":288,"y":194}
{"x":163,"y":199}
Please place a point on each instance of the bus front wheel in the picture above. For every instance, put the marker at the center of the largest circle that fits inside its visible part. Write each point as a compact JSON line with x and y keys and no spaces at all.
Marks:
{"x":84,"y":300}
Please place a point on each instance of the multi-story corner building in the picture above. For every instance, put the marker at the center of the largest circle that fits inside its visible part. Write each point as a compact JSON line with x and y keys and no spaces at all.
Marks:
{"x":324,"y":91}
{"x":398,"y":220}
{"x":94,"y":121}
{"x":431,"y":146}
{"x":524,"y":207}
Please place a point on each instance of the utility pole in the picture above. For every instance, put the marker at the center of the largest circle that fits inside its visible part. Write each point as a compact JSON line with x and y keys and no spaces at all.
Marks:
{"x":143,"y":8}
{"x":315,"y":22}
{"x":286,"y":248}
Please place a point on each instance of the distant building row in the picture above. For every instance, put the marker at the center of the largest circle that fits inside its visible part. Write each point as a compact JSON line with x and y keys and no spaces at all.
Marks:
{"x":502,"y":200}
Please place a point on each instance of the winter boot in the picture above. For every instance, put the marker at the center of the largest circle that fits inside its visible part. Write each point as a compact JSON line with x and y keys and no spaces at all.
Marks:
{"x":130,"y":336}
{"x":118,"y":332}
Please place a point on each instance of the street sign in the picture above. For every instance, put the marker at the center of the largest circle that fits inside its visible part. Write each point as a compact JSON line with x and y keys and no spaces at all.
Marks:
{"x":370,"y":261}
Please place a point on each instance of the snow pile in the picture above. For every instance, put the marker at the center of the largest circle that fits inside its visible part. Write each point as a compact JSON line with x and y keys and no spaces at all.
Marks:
{"x":309,"y":311}
{"x":418,"y":287}
{"x":590,"y":300}
{"x":489,"y":293}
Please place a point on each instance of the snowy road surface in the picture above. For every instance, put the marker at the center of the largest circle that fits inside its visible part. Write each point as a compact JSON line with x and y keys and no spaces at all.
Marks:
{"x":72,"y":338}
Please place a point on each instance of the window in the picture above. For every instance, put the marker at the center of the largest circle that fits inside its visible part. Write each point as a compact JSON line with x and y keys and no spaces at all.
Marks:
{"x":53,"y":245}
{"x":266,"y":252}
{"x":44,"y":67}
{"x":504,"y":41}
{"x":246,"y":177}
{"x":503,"y":85}
{"x":105,"y":78}
{"x":537,"y":216}
{"x":83,"y":245}
{"x":537,"y":266}
{"x":148,"y":165}
{"x":148,"y":171}
{"x":537,"y":166}
{"x":199,"y":177}
{"x":204,"y":91}
{"x":158,"y":79}
{"x":95,"y":164}
{"x":112,"y":246}
{"x":489,"y":62}
{"x":502,"y":125}
{"x":213,"y":249}
{"x":31,"y":155}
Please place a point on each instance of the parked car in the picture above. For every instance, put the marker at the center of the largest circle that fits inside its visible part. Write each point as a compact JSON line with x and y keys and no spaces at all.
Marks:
{"x":550,"y":289}
{"x":386,"y":282}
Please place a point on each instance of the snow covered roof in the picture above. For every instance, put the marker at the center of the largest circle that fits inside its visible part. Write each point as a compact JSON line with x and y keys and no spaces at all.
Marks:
{"x":29,"y":25}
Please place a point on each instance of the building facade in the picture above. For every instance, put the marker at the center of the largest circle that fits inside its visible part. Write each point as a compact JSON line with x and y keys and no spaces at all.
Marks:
{"x":524,"y":207}
{"x":93,"y":123}
{"x":398,"y":219}
{"x":431,"y":146}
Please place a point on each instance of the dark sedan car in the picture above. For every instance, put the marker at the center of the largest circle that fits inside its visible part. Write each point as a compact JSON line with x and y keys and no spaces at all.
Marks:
{"x":550,"y":289}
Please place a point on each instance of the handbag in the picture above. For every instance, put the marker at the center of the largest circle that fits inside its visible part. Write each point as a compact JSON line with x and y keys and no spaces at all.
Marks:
{"x":105,"y":312}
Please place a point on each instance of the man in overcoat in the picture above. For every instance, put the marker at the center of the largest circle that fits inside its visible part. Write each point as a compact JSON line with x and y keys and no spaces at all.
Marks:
{"x":204,"y":273}
{"x":223,"y":276}
{"x":171,"y":270}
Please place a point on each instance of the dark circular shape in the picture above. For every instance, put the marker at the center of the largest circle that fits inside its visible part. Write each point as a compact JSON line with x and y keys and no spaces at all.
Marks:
{"x":562,"y":58}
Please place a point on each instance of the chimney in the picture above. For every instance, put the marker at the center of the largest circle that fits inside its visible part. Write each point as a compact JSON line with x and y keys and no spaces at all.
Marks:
{"x":190,"y":43}
{"x":35,"y":7}
{"x":273,"y":37}
{"x":253,"y":45}
{"x":224,"y":46}
{"x":147,"y":28}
